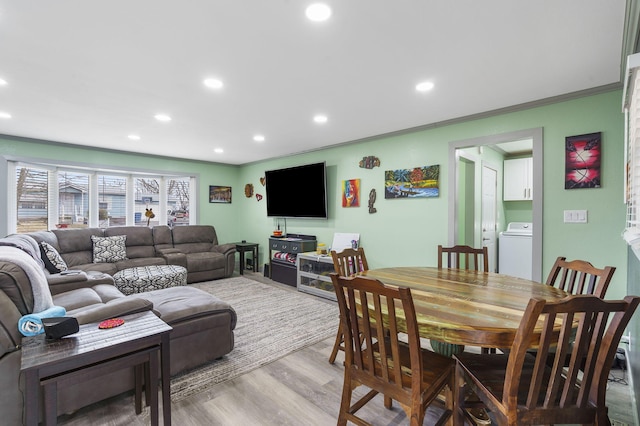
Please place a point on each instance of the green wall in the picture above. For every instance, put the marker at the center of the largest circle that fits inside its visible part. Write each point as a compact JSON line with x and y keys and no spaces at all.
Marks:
{"x":407,"y":231}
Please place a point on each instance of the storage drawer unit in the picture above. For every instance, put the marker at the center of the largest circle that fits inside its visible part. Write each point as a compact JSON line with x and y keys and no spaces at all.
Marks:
{"x":313,"y":275}
{"x":283,"y":272}
{"x":291,"y":245}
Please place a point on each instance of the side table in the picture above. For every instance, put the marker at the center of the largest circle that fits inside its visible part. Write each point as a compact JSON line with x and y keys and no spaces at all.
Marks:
{"x":242,"y":247}
{"x":94,"y":352}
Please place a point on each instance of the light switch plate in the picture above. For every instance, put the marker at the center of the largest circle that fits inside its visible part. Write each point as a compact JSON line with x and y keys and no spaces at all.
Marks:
{"x":575,"y":216}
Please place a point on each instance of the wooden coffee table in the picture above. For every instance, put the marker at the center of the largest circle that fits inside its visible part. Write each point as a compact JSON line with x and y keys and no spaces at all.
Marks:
{"x":93,"y":352}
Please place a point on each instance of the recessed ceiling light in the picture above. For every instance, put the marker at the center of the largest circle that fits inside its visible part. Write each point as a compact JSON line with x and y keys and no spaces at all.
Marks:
{"x":3,"y":82}
{"x":4,"y":114}
{"x":425,"y":86}
{"x":213,"y":83}
{"x":320,"y":118}
{"x":134,"y":137}
{"x":258,"y":138}
{"x":318,"y":12}
{"x":162,"y":117}
{"x":218,"y":150}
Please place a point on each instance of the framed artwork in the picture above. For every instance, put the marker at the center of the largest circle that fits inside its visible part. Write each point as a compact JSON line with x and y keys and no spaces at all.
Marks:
{"x":583,"y":158}
{"x":351,"y":193}
{"x":219,"y":194}
{"x":419,"y":182}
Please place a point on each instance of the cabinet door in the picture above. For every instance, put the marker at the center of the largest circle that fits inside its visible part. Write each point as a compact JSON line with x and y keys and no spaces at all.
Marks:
{"x":517,"y":179}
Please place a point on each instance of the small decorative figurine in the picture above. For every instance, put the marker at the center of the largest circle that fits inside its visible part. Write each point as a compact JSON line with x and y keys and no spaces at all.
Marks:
{"x":149,"y":215}
{"x":369,"y":162}
{"x":372,"y":199}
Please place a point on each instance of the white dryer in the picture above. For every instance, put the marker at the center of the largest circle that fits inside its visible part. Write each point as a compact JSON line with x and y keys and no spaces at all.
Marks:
{"x":515,"y":250}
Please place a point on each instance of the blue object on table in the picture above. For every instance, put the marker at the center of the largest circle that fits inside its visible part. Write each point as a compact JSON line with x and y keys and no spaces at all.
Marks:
{"x":31,"y":324}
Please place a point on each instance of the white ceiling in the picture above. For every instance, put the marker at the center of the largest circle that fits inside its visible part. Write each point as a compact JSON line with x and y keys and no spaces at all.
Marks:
{"x":91,"y":73}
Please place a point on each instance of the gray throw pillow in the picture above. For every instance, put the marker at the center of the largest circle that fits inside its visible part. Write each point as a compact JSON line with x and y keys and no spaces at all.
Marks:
{"x":109,"y":249}
{"x":52,"y":259}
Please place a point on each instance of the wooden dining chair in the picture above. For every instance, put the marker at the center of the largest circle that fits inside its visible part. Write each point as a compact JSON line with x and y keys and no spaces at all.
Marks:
{"x":580,"y":277}
{"x":349,"y":261}
{"x":404,"y":372}
{"x":346,"y":263}
{"x":464,"y":257}
{"x":520,"y":388}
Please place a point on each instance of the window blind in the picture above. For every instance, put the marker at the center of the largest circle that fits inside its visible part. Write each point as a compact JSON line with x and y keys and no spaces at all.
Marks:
{"x":631,"y":107}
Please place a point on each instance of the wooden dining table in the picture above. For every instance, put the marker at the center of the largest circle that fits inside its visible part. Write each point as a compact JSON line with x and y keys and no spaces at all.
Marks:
{"x":458,"y":307}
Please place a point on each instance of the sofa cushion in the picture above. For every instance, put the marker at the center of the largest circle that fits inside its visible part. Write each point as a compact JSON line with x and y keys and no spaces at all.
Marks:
{"x":139,"y":241}
{"x":75,"y":245}
{"x":109,"y":249}
{"x":177,"y":304}
{"x":194,"y":238}
{"x":79,"y":298}
{"x":52,"y":259}
{"x":205,"y":261}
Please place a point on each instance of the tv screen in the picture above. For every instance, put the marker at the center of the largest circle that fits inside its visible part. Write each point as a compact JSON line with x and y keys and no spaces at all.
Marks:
{"x":297,"y":192}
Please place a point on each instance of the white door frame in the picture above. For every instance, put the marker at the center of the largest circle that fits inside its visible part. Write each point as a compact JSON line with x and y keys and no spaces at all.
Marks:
{"x":535,"y":135}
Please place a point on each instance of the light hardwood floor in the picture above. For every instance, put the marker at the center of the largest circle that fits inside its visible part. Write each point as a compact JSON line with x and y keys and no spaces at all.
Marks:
{"x":299,"y":389}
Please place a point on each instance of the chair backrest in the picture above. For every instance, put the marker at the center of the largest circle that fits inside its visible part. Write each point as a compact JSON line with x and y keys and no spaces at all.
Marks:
{"x":349,"y":261}
{"x":589,"y":332}
{"x":371,"y":351}
{"x":580,"y":277}
{"x":464,"y":257}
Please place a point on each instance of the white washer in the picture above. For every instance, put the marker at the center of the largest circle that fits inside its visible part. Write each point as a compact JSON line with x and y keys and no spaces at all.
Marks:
{"x":515,"y":250}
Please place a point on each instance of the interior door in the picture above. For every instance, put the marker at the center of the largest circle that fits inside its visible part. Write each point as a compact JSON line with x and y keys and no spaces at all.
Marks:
{"x":489,"y":206}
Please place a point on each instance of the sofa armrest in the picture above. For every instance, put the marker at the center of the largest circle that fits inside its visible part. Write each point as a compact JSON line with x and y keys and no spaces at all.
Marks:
{"x":60,"y":283}
{"x":226,"y":249}
{"x":113,"y":308}
{"x":173,"y":256}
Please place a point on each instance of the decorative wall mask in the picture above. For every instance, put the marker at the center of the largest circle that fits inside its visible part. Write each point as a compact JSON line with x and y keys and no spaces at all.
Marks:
{"x":248,"y":190}
{"x":372,"y":199}
{"x":369,"y":162}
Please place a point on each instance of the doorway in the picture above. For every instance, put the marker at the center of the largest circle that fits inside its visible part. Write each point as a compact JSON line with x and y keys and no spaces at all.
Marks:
{"x":460,"y":209}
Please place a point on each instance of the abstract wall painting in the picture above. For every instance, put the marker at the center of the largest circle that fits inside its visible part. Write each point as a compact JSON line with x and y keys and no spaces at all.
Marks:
{"x":351,"y":193}
{"x":419,"y":182}
{"x":583,"y":158}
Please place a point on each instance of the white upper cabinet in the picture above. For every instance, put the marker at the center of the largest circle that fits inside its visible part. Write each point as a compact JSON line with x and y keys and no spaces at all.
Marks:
{"x":518,"y":179}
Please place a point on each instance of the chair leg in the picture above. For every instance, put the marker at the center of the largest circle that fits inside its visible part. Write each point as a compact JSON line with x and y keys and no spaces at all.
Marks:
{"x":388,"y":402}
{"x":337,"y":345}
{"x":345,"y":403}
{"x":458,"y":396}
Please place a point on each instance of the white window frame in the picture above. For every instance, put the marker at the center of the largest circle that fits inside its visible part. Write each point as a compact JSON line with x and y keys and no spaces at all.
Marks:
{"x":631,"y":190}
{"x":93,"y":172}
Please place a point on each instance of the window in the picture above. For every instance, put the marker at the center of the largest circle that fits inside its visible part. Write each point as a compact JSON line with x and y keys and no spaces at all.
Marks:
{"x":73,"y":199}
{"x":631,"y":99}
{"x":147,"y":197}
{"x":32,"y":199}
{"x":112,"y":195}
{"x":49,"y":196}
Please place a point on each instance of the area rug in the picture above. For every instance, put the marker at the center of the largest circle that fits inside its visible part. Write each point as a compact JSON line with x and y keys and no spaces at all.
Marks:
{"x":272,"y":323}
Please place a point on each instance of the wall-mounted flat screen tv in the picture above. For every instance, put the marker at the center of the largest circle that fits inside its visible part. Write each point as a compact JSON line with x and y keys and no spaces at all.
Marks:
{"x":299,"y":192}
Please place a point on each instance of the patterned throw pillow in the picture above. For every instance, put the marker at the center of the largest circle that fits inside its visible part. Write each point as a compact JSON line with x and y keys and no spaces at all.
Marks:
{"x":52,"y":259}
{"x":109,"y":249}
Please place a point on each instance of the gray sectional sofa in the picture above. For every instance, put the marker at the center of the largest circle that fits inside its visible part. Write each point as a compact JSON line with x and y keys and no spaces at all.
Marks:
{"x":195,"y":247}
{"x":202,"y":324}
